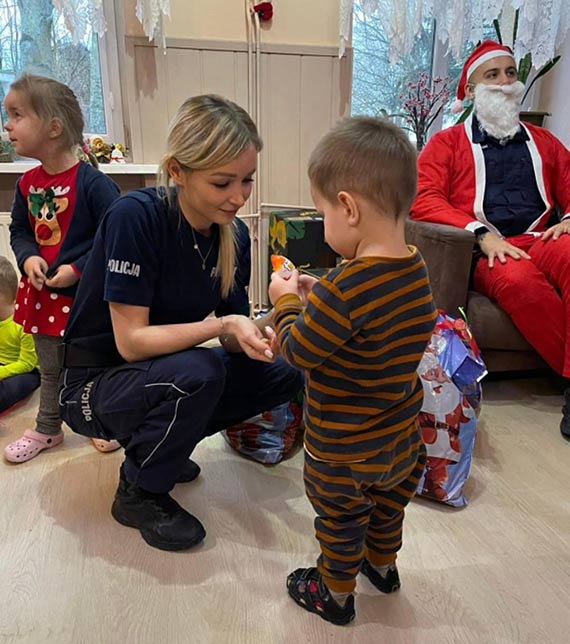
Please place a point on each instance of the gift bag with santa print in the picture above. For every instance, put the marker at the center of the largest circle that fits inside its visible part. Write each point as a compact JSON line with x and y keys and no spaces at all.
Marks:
{"x":451,"y":370}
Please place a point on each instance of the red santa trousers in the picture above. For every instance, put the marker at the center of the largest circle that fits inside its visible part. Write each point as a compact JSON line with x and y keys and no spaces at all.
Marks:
{"x":535,"y":293}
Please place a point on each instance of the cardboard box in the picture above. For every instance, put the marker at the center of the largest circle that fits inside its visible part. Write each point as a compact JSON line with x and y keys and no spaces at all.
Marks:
{"x":299,"y":235}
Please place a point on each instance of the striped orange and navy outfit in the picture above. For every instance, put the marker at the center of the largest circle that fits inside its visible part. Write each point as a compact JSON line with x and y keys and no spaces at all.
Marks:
{"x":359,"y":342}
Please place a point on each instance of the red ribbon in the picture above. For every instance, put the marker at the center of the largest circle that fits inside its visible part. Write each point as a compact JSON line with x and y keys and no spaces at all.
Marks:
{"x":460,"y":328}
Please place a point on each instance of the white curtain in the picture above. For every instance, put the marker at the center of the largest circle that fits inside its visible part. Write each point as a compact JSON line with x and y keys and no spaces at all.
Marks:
{"x":78,"y":14}
{"x":543,"y":24}
{"x":150,"y":14}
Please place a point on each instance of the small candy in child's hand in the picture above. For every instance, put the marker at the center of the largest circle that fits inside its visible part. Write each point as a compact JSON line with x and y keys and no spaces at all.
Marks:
{"x":283,"y":266}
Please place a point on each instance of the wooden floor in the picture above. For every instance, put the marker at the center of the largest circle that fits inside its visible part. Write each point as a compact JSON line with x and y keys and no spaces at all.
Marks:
{"x":495,"y":572}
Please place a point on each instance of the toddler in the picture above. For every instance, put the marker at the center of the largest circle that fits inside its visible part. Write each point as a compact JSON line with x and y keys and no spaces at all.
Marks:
{"x":56,"y":211}
{"x":359,"y":342}
{"x":19,"y":375}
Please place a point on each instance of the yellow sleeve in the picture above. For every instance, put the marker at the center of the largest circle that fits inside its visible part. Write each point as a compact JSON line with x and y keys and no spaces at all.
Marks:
{"x":27,"y":360}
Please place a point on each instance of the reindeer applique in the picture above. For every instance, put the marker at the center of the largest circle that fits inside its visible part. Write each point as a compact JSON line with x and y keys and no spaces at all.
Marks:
{"x":45,"y":206}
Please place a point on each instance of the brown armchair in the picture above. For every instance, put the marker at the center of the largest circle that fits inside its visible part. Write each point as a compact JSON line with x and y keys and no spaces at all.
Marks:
{"x":448,"y":253}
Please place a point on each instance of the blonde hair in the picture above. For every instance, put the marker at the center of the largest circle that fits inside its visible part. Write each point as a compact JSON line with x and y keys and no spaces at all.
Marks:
{"x":368,"y":156}
{"x":50,"y":99}
{"x":8,"y":279}
{"x":207,"y":132}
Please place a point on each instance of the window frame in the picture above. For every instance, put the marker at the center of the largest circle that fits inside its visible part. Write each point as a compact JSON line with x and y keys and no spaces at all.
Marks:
{"x":110,"y":77}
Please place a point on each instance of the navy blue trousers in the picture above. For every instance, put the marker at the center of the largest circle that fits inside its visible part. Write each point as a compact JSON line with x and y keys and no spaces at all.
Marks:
{"x":161,"y":409}
{"x":16,"y":388}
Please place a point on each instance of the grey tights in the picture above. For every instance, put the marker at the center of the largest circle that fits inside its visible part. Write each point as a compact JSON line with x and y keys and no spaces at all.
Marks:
{"x":49,"y":351}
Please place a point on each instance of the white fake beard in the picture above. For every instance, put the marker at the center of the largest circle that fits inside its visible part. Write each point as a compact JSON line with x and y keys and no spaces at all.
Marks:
{"x":497,"y":108}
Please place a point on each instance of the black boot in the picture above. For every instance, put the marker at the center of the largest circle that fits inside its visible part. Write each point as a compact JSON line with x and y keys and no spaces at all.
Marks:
{"x":189,"y":472}
{"x":162,"y":522}
{"x":565,"y":422}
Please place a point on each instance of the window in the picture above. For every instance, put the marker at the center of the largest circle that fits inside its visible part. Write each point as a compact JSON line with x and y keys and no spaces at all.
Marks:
{"x":34,"y":38}
{"x":452,"y":68}
{"x":377,"y":84}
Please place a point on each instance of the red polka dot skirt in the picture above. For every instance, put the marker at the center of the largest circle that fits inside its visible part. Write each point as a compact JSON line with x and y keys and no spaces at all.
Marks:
{"x":43,"y":312}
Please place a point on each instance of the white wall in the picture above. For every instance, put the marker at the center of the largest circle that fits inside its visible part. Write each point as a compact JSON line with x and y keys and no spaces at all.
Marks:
{"x":304,"y":87}
{"x":554,"y":95}
{"x":296,"y":22}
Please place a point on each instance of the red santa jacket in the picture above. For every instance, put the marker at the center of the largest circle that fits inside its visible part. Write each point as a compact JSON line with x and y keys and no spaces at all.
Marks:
{"x":451,"y":178}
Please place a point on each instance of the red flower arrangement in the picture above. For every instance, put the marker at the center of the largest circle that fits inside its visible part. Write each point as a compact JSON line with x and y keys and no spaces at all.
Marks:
{"x":264,"y":10}
{"x":422,"y":104}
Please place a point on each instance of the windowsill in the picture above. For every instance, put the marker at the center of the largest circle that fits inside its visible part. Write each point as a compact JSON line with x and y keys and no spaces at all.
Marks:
{"x":19,"y":167}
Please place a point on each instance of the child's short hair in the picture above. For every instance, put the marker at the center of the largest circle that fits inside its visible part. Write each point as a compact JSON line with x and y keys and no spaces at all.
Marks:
{"x":368,"y":156}
{"x":8,"y":279}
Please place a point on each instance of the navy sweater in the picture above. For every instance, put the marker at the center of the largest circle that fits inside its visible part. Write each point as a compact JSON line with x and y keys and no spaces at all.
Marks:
{"x":95,"y":192}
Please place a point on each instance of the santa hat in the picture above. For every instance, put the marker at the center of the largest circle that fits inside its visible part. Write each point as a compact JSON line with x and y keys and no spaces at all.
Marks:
{"x":481,"y":54}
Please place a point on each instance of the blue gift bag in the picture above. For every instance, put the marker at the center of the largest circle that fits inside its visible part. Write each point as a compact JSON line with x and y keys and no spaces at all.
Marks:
{"x":450,"y":371}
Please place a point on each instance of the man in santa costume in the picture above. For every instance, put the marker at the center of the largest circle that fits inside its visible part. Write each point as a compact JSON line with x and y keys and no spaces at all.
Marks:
{"x":502,"y":180}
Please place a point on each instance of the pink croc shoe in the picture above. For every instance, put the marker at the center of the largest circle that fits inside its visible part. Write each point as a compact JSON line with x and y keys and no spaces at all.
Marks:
{"x":105,"y":446}
{"x":30,"y":445}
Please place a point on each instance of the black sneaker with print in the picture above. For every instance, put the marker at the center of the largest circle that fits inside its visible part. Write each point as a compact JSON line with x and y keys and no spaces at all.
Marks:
{"x":565,"y":422}
{"x":306,"y":587}
{"x":388,"y":584}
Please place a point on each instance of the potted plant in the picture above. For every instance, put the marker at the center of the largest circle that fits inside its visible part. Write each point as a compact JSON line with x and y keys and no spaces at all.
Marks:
{"x":422,"y":103}
{"x":524,"y":68}
{"x":6,"y":151}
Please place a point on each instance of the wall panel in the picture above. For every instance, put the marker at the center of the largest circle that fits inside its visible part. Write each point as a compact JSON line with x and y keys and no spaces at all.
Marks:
{"x":302,"y":95}
{"x":280,"y":127}
{"x":149,"y":118}
{"x":184,"y":78}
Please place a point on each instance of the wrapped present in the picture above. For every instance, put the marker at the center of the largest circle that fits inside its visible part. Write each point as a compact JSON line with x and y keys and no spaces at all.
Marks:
{"x":450,"y":372}
{"x":461,"y":358}
{"x":270,"y":436}
{"x":299,"y":235}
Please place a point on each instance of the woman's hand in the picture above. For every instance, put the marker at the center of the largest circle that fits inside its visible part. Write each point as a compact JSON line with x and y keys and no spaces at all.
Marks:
{"x":495,"y":247}
{"x":554,"y":232}
{"x":271,"y":335}
{"x":250,"y":338}
{"x":63,"y":277}
{"x":280,"y":286}
{"x":35,"y":267}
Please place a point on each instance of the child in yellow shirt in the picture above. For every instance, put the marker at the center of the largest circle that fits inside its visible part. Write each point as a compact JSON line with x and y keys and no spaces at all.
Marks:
{"x":19,"y":375}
